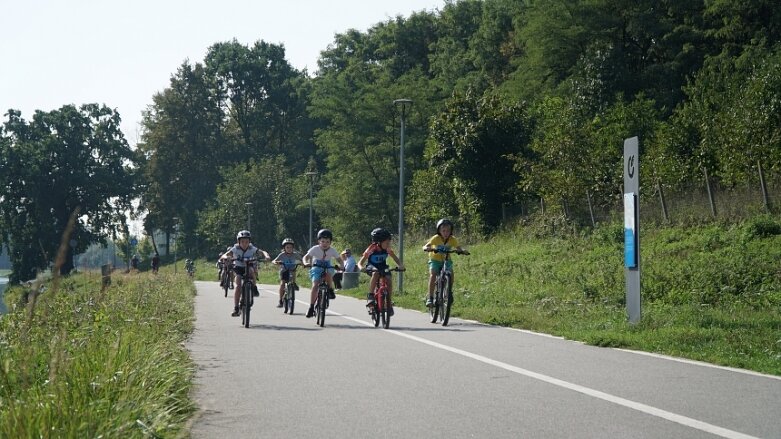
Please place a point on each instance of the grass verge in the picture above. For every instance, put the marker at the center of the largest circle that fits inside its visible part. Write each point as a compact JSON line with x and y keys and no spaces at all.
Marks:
{"x":709,"y":292}
{"x":86,"y":362}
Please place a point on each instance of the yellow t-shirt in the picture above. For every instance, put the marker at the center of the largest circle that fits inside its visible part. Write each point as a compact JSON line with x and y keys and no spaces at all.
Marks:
{"x":436,"y":240}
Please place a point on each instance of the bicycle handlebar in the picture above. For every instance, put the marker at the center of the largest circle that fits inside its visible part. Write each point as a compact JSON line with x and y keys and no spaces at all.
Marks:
{"x":462,"y":252}
{"x":368,"y":270}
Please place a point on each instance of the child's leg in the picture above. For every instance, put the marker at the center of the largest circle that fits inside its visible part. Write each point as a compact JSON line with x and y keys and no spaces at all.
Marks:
{"x":313,"y":296}
{"x":237,"y":291}
{"x":373,"y":285}
{"x":389,"y":280}
{"x":431,"y":280}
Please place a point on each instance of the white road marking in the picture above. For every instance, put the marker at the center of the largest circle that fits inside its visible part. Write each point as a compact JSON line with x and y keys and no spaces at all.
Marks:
{"x":647,"y":409}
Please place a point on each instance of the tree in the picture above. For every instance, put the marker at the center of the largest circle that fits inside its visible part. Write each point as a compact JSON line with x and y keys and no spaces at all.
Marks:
{"x":183,"y":145}
{"x":67,"y":163}
{"x":471,"y":144}
{"x":264,"y":97}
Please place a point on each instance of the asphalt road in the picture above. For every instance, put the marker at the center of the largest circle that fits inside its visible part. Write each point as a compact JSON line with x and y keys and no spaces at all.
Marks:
{"x":285,"y":377}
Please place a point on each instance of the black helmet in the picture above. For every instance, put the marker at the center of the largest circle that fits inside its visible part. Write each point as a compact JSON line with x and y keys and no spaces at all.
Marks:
{"x":243,"y":234}
{"x":379,"y":235}
{"x":287,"y":241}
{"x":325,"y":233}
{"x":443,"y":222}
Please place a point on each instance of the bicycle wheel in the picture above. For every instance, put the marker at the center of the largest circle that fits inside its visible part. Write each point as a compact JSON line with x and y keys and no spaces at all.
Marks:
{"x":246,"y":299}
{"x":385,"y":309}
{"x":290,"y":298}
{"x":447,"y":299}
{"x":433,"y":310}
{"x":322,"y":304}
{"x":375,"y":314}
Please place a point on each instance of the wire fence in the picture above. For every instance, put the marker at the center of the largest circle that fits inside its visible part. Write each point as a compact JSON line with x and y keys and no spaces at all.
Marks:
{"x":694,"y":204}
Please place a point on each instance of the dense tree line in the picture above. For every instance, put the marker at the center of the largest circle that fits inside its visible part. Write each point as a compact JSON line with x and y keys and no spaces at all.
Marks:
{"x":512,"y":100}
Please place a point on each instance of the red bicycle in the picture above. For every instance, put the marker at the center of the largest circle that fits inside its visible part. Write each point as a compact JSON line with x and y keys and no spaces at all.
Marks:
{"x":381,"y":309}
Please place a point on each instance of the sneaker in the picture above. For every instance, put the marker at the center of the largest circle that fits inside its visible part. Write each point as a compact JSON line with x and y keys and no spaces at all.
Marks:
{"x":311,"y":312}
{"x":429,"y":301}
{"x":331,"y":294}
{"x":390,"y":311}
{"x":279,"y":305}
{"x":235,"y":312}
{"x":255,"y":292}
{"x":295,"y":287}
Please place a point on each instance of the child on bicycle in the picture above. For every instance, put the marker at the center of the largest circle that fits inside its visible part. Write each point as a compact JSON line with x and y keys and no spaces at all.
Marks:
{"x":288,"y":261}
{"x":376,"y":255}
{"x":442,"y":241}
{"x":319,"y":258}
{"x":243,"y":249}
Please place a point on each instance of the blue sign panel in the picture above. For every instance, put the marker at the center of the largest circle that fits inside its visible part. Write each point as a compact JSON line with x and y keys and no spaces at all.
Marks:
{"x":630,"y":231}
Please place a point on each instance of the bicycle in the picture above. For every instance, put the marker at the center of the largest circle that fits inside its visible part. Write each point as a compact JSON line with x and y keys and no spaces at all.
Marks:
{"x":289,"y":299}
{"x":190,"y":267}
{"x":322,"y":300}
{"x":227,"y":280}
{"x":443,"y":290}
{"x":246,"y":300}
{"x":380,"y":309}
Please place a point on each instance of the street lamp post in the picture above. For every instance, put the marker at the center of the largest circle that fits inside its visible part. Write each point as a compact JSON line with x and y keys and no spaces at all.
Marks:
{"x":249,"y":218}
{"x":404,"y":104}
{"x":176,"y":233}
{"x":311,"y":175}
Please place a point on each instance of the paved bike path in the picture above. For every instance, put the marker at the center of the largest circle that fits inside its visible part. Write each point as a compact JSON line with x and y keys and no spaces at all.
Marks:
{"x":286,"y":377}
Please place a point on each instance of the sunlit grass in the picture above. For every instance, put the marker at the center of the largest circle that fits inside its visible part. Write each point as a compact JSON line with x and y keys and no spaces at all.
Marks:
{"x":710,"y":293}
{"x":92,"y":363}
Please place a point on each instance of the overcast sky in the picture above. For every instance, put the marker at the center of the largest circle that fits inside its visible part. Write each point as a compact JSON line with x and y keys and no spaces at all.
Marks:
{"x":120,"y":53}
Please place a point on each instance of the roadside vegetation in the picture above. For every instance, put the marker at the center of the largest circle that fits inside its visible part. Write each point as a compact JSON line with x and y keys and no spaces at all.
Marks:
{"x":85,"y":362}
{"x":709,"y":292}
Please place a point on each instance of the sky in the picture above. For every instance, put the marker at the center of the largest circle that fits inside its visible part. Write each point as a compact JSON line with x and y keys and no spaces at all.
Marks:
{"x":120,"y":53}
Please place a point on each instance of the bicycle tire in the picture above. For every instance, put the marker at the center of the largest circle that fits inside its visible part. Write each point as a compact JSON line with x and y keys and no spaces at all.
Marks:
{"x":290,"y":300}
{"x":447,"y":299}
{"x":322,"y":304}
{"x":225,"y":283}
{"x":434,"y":309}
{"x":246,"y":297}
{"x":385,"y":310}
{"x":375,"y":315}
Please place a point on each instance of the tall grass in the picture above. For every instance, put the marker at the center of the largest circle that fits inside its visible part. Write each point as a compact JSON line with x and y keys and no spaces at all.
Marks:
{"x":92,"y":362}
{"x":710,"y":292}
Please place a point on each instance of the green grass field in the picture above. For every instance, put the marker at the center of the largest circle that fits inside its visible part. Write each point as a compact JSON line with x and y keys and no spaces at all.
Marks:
{"x":77,"y":364}
{"x":710,"y":293}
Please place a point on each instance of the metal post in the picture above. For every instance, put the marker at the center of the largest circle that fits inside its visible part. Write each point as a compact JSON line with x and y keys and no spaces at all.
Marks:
{"x":311,"y":176}
{"x":249,"y":218}
{"x":403,"y":103}
{"x":176,"y":247}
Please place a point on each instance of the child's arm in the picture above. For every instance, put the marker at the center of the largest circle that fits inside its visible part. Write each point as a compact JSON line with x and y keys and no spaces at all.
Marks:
{"x":395,"y":258}
{"x":361,"y":262}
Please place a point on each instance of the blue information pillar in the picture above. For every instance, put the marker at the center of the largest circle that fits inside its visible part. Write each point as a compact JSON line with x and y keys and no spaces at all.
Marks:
{"x":632,"y":227}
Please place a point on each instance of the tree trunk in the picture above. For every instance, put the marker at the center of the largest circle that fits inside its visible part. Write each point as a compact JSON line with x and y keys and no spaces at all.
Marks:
{"x":662,"y":201}
{"x":590,"y":208}
{"x":765,"y":197}
{"x":710,"y":192}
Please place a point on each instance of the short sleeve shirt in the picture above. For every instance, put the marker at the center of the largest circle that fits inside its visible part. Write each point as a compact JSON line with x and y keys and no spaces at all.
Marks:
{"x":318,"y":254}
{"x":239,"y":254}
{"x":288,"y":260}
{"x":376,"y":256}
{"x":437,"y":240}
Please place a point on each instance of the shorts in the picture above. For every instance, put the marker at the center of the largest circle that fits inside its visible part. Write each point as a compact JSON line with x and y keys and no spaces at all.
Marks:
{"x":239,"y":270}
{"x":315,"y":273}
{"x":436,"y":266}
{"x":284,"y":275}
